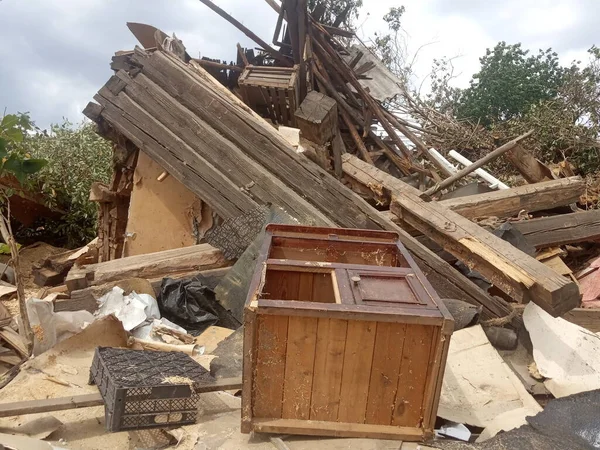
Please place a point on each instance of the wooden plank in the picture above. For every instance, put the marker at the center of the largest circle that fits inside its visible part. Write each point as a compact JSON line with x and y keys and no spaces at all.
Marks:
{"x":561,"y":230}
{"x":516,"y":273}
{"x":152,"y":265}
{"x":249,"y":176}
{"x":387,"y":356}
{"x":410,"y":396}
{"x":14,"y":340}
{"x":89,"y":400}
{"x":333,"y":202}
{"x":305,"y":291}
{"x":356,"y":372}
{"x":299,"y":361}
{"x":329,"y":360}
{"x":328,"y":429}
{"x":511,"y":270}
{"x":249,"y":360}
{"x":528,"y":166}
{"x":269,"y":370}
{"x":501,"y":203}
{"x":509,"y":202}
{"x":587,"y":318}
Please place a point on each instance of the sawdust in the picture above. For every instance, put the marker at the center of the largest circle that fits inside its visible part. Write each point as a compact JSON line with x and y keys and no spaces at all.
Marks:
{"x":176,"y":379}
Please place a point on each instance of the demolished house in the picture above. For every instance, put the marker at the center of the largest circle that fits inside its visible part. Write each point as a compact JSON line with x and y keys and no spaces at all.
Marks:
{"x":207,"y":154}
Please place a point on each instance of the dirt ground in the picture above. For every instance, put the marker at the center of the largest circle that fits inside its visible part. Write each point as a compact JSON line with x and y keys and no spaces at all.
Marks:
{"x":29,"y":256}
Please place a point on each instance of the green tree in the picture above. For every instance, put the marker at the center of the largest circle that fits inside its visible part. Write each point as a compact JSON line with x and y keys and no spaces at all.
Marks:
{"x":77,"y":156}
{"x":15,"y":161}
{"x":509,"y":83}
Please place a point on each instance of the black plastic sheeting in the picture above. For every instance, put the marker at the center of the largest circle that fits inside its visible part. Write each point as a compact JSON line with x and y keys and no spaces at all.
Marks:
{"x":568,"y":423}
{"x":191,"y":304}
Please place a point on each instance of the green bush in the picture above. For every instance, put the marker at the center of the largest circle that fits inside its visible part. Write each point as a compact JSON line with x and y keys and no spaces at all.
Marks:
{"x":76,"y":157}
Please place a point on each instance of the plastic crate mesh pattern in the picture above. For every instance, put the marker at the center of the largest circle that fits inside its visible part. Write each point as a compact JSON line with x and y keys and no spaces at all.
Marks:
{"x":146,"y":389}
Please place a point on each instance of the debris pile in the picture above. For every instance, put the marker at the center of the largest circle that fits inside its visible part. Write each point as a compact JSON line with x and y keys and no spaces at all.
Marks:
{"x":305,"y":137}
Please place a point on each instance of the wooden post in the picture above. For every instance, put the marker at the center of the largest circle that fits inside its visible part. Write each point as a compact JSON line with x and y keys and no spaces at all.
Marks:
{"x":476,"y":165}
{"x":317,"y":118}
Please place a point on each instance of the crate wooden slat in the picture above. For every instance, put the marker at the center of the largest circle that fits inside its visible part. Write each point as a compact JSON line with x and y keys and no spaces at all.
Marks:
{"x":272,"y":91}
{"x":344,"y":336}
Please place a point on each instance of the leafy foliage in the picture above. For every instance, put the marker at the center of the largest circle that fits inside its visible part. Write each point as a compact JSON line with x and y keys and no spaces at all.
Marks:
{"x":76,"y":157}
{"x":509,"y":83}
{"x":513,"y":93}
{"x":13,"y":159}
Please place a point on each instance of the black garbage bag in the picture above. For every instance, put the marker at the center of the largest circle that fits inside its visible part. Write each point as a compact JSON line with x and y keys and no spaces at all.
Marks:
{"x":190,"y":304}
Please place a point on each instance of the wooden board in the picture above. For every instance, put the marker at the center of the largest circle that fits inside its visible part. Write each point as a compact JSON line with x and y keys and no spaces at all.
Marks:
{"x":387,"y":356}
{"x":356,"y":374}
{"x":562,"y":229}
{"x":329,"y":360}
{"x":14,"y":340}
{"x":89,"y":400}
{"x":269,"y":372}
{"x":169,"y":262}
{"x":516,"y":273}
{"x":332,"y":202}
{"x":501,"y":203}
{"x":350,"y":430}
{"x":588,"y":318}
{"x":418,"y":347}
{"x":299,"y":367}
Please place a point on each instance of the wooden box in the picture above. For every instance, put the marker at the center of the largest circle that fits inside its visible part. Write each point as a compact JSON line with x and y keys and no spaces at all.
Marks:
{"x":343,"y":336}
{"x":271,"y":91}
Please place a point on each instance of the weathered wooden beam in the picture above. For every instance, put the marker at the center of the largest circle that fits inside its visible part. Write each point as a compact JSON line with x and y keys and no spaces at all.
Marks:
{"x":477,"y":164}
{"x":520,"y":276}
{"x":502,"y":203}
{"x":528,"y":166}
{"x":276,"y":54}
{"x":588,"y":318}
{"x":331,"y":201}
{"x":88,"y":400}
{"x":216,"y":65}
{"x":169,"y":262}
{"x":317,"y":118}
{"x":562,"y":229}
{"x":529,"y":198}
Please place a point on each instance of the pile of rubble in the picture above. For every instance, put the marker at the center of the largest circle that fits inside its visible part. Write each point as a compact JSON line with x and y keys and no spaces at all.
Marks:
{"x":206,"y":155}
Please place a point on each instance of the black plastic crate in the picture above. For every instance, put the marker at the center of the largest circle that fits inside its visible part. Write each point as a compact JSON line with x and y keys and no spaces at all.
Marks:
{"x":147,"y":389}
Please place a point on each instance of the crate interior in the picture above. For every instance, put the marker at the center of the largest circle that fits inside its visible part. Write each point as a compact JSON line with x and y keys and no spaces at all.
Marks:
{"x":317,"y":286}
{"x":345,"y":252}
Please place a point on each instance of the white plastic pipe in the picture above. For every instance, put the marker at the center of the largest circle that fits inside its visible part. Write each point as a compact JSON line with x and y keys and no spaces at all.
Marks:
{"x":443,"y":161}
{"x":494,"y":182}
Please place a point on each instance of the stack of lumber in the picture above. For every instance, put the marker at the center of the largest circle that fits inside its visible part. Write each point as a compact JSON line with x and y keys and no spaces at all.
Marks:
{"x":147,"y":103}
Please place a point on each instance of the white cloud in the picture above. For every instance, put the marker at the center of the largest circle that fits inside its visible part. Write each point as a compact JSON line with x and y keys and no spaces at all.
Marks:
{"x":56,"y":53}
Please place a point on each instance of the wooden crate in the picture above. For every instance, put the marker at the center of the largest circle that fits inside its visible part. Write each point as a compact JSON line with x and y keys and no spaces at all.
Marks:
{"x":343,"y":336}
{"x":271,"y":91}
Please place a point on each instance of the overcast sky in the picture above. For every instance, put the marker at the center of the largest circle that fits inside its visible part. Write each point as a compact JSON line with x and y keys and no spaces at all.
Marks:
{"x":55,"y":54}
